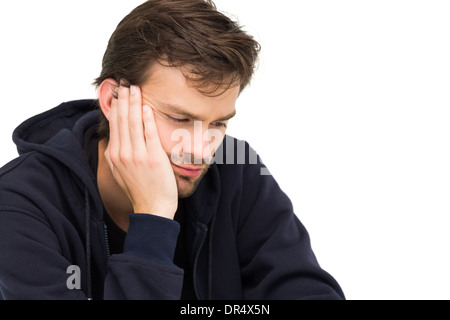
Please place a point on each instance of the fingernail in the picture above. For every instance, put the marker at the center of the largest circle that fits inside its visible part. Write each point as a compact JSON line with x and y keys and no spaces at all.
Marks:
{"x":145,"y":108}
{"x":133,"y":90}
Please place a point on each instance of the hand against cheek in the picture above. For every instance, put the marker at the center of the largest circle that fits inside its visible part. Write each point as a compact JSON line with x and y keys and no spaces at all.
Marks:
{"x":138,"y":162}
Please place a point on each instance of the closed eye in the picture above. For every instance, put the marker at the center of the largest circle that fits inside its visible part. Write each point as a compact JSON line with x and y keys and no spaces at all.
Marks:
{"x":177,"y":120}
{"x":219,"y":124}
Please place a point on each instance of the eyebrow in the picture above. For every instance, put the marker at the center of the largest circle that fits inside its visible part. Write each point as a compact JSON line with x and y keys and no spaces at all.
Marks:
{"x":181,"y":112}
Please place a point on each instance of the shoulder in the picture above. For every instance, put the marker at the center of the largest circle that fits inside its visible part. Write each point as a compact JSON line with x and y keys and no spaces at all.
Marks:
{"x":245,"y":180}
{"x":237,"y":156}
{"x":30,"y":180}
{"x":238,"y":162}
{"x":27,"y":166}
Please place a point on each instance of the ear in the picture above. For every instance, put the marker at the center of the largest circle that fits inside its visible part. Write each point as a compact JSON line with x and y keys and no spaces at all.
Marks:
{"x":106,"y":92}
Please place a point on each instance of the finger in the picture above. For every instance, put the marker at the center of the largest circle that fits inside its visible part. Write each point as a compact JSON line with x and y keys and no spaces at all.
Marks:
{"x":136,"y":125}
{"x":114,"y":142}
{"x":152,"y":139}
{"x":122,"y":119}
{"x":113,"y":169}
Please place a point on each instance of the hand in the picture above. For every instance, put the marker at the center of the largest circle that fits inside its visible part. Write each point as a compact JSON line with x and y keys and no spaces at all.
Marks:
{"x":136,"y":157}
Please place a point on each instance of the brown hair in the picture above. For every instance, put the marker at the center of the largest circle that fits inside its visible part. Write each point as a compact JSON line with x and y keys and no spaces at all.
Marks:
{"x":191,"y":34}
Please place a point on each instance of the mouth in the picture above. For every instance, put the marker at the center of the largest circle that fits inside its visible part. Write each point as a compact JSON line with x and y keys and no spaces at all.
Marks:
{"x":188,"y":171}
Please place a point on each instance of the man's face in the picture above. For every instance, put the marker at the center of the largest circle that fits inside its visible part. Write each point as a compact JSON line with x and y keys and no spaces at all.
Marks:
{"x":191,"y":125}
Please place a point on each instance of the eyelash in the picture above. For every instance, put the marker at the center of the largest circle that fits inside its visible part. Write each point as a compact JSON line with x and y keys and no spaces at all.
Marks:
{"x":220,"y":124}
{"x":177,"y":120}
{"x":216,"y":124}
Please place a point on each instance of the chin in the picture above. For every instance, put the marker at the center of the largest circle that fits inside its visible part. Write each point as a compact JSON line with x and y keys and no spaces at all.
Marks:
{"x":187,"y":185}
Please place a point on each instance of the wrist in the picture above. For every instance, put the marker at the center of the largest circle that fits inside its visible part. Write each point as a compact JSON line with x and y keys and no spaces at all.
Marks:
{"x":153,"y":238}
{"x":163,"y":212}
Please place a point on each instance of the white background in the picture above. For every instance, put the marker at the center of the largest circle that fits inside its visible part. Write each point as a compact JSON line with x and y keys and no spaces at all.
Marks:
{"x":349,"y":109}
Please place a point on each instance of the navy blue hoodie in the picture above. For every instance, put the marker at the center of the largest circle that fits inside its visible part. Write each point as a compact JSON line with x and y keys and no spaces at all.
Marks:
{"x":242,"y":237}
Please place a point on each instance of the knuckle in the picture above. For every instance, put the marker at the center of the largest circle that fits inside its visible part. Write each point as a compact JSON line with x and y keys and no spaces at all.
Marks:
{"x":124,"y":157}
{"x":134,"y":124}
{"x":114,"y":159}
{"x":122,"y":119}
{"x":139,"y":159}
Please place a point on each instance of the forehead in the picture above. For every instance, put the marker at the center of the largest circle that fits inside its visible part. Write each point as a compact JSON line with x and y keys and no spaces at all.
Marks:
{"x":167,"y":86}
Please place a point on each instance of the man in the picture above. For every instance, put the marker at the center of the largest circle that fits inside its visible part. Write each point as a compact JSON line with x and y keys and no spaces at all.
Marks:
{"x":126,"y":197}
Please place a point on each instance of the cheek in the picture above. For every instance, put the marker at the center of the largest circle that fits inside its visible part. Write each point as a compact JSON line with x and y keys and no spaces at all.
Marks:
{"x":214,"y":138}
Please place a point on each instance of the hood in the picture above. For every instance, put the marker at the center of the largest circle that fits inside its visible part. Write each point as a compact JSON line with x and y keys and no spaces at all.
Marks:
{"x":41,"y":132}
{"x":59,"y":133}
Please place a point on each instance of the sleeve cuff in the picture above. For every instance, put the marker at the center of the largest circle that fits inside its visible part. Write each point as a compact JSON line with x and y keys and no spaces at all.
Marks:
{"x":152,"y":237}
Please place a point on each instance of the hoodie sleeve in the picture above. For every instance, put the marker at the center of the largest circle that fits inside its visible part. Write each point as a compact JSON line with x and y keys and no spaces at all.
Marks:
{"x":277,"y":260}
{"x":145,"y":270}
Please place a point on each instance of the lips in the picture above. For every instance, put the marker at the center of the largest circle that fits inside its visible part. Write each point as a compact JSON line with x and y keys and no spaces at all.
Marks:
{"x":188,"y":171}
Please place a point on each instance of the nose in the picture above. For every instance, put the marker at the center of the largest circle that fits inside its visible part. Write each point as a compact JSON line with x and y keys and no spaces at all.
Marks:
{"x":197,"y":145}
{"x":194,"y":148}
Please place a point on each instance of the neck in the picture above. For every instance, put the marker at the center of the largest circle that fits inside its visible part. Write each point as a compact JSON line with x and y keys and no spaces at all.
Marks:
{"x":114,"y":199}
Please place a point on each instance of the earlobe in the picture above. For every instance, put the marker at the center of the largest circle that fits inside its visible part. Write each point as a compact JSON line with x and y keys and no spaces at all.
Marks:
{"x":106,"y":93}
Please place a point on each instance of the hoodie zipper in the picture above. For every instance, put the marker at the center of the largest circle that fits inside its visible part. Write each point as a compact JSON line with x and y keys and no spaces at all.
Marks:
{"x":197,"y":256}
{"x":105,"y":232}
